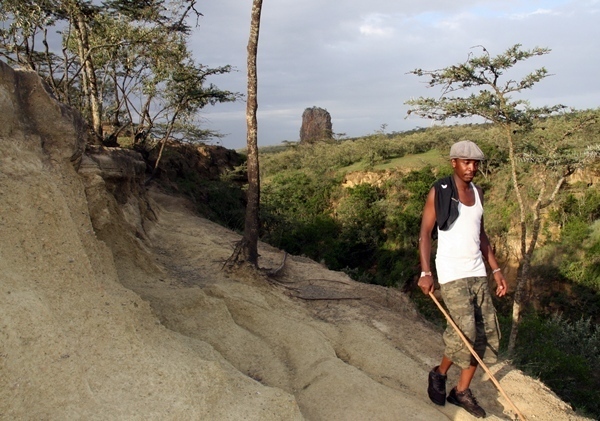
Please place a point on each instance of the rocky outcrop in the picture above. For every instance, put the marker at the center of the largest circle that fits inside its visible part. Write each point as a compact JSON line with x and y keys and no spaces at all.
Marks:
{"x":316,"y":125}
{"x":589,"y":175}
{"x":114,"y":187}
{"x":374,"y":178}
{"x":30,"y":114}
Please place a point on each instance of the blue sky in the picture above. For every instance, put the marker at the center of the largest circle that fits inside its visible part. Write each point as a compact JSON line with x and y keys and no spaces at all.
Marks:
{"x":352,"y":57}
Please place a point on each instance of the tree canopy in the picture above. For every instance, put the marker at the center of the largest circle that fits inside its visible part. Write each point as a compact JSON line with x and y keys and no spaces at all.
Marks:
{"x":123,"y":63}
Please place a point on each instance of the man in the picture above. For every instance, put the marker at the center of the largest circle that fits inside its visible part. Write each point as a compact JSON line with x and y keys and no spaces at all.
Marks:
{"x":454,"y":213}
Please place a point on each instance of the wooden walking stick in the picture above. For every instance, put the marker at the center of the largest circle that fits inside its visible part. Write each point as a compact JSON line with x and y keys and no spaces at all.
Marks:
{"x":479,"y":360}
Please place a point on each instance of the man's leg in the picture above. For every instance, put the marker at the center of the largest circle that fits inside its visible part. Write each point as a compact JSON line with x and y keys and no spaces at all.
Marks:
{"x":459,"y":299}
{"x":437,"y":382}
{"x":466,"y":375}
{"x":444,"y":365}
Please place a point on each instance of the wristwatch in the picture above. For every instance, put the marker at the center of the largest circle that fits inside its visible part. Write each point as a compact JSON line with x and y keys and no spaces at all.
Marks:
{"x":425,"y":274}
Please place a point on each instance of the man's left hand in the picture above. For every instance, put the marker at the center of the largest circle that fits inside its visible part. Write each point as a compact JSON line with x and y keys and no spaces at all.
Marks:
{"x":501,"y":287}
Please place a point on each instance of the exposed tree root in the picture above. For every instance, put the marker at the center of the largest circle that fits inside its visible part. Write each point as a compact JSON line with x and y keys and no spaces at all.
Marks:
{"x":274,"y":272}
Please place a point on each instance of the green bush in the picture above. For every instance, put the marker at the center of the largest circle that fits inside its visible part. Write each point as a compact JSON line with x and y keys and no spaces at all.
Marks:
{"x":361,"y":216}
{"x":316,"y":238}
{"x":580,"y":238}
{"x":221,"y":201}
{"x":295,"y":217}
{"x":225,"y":204}
{"x":564,"y":355}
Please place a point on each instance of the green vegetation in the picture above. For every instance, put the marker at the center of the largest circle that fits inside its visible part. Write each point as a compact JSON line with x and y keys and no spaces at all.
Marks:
{"x":220,"y":200}
{"x":565,"y":355}
{"x":115,"y":62}
{"x":580,"y":238}
{"x":371,"y":152}
{"x":359,"y":228}
{"x":370,"y":229}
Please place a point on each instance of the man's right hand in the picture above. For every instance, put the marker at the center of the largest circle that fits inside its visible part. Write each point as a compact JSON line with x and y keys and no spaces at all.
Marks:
{"x":426,"y":284}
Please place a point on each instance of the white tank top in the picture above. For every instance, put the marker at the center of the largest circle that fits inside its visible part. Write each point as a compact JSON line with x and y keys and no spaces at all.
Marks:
{"x":458,"y":252}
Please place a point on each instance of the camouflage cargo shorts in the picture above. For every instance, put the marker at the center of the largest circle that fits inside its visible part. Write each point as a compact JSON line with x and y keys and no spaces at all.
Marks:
{"x":469,"y":302}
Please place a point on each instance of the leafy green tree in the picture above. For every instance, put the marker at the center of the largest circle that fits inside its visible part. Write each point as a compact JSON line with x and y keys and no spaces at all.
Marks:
{"x":538,"y":168}
{"x":119,"y":61}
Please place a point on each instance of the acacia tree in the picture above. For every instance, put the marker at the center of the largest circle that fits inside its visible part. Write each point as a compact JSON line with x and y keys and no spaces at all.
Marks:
{"x":117,"y":61}
{"x":185,"y":93}
{"x":80,"y":15}
{"x":24,"y":41}
{"x":540,"y":167}
{"x":30,"y":20}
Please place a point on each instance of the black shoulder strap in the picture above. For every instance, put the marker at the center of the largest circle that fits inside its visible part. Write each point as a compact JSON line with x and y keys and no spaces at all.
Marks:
{"x":446,"y":202}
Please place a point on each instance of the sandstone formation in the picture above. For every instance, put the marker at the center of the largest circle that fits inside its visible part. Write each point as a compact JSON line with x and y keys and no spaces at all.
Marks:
{"x":316,"y":125}
{"x":76,"y":343}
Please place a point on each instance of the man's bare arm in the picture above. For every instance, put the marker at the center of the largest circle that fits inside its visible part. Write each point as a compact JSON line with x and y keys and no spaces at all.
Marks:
{"x":488,"y":254}
{"x":427,"y":224}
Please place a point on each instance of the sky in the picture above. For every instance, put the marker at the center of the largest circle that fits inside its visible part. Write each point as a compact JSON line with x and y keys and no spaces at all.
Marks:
{"x":353,"y":58}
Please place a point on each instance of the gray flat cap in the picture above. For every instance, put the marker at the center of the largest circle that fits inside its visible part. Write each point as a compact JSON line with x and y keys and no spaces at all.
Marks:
{"x":465,"y":149}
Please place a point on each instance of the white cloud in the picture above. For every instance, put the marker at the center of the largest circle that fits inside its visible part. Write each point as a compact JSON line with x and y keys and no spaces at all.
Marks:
{"x":455,"y":22}
{"x":521,"y":16}
{"x":375,"y":25}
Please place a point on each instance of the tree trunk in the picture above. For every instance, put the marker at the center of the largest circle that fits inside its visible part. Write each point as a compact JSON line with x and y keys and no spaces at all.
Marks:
{"x":527,"y":253}
{"x":523,"y":269}
{"x":164,"y":141}
{"x":89,"y":74}
{"x":249,"y":250}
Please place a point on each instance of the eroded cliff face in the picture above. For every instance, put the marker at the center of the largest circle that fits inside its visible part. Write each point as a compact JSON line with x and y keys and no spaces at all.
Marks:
{"x":75,"y":343}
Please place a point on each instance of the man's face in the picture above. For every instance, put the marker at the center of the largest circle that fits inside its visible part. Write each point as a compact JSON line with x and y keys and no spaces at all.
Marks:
{"x":465,"y":169}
